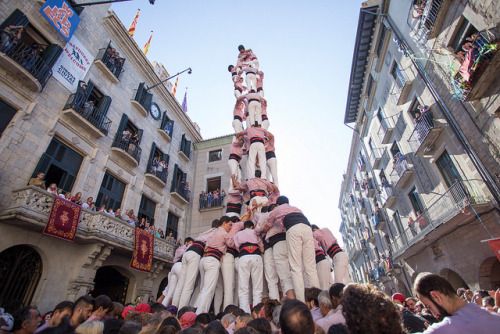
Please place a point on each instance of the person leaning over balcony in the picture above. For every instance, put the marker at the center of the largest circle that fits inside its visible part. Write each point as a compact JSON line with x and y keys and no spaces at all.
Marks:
{"x":38,"y":181}
{"x":80,"y":94}
{"x":459,"y":316}
{"x":10,"y":36}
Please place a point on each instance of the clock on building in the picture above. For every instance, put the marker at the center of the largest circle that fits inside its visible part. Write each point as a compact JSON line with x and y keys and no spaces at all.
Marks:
{"x":155,"y":111}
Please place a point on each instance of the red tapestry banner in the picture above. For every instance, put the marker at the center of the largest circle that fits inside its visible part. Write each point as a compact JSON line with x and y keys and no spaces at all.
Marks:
{"x":63,"y":219}
{"x":495,"y":245}
{"x":142,"y":258}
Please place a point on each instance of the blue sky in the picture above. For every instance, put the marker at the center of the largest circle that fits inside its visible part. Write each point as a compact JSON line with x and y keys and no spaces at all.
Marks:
{"x":305,"y":50}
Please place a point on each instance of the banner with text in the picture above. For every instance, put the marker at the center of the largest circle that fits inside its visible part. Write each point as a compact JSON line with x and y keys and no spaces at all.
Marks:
{"x":73,"y":64}
{"x":60,"y":14}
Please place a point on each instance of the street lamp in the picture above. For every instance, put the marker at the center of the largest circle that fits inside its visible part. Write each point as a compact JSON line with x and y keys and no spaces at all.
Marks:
{"x":189,"y":70}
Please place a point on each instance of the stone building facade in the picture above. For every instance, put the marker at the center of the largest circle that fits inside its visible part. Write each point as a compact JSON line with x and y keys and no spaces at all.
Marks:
{"x":419,"y":192}
{"x":45,"y":128}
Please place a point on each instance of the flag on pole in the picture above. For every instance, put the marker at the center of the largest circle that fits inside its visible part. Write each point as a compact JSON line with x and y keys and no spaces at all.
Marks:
{"x":184,"y":102}
{"x":131,"y":30}
{"x":146,"y":47}
{"x":495,"y":246}
{"x":175,"y":86}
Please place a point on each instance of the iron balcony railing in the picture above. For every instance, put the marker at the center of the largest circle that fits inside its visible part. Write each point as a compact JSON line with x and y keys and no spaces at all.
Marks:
{"x":88,"y":111}
{"x":181,"y":189}
{"x":29,"y":58}
{"x":451,"y":203}
{"x":108,"y":57}
{"x":157,"y":170}
{"x":207,"y":202}
{"x":128,"y":146}
{"x":386,"y":126}
{"x":423,"y":126}
{"x":399,"y":77}
{"x":399,"y":168}
{"x":374,"y":155}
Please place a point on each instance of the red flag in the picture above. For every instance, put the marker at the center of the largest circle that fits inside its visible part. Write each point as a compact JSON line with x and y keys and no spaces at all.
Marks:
{"x":495,"y":245}
{"x":131,"y":30}
{"x":175,"y":86}
{"x":146,"y":47}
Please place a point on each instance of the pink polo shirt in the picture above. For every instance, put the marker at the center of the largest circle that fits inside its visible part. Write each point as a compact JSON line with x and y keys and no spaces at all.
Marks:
{"x":179,"y":252}
{"x":260,"y":80}
{"x":325,"y":238}
{"x":259,"y":220}
{"x":279,"y":213}
{"x":253,"y":96}
{"x":238,"y":108}
{"x":236,"y":148}
{"x":206,"y":235}
{"x":249,"y":70}
{"x":234,"y":196}
{"x":255,"y":132}
{"x":219,"y":240}
{"x":270,"y":145}
{"x":234,"y":229}
{"x":247,"y":236}
{"x":256,"y":184}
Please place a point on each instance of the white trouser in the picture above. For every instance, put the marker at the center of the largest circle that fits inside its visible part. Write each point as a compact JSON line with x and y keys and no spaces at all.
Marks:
{"x":227,"y":269}
{"x":236,"y":300}
{"x":265,"y":124}
{"x":182,"y":294}
{"x":324,"y":276}
{"x":280,"y":255}
{"x":250,"y":268}
{"x":251,"y":81}
{"x":219,"y":294}
{"x":234,"y":168}
{"x":196,"y":293}
{"x":254,"y":63}
{"x":272,"y":170}
{"x":209,"y":271}
{"x":257,"y":150}
{"x":237,"y":93}
{"x":299,"y":239}
{"x":232,"y":214}
{"x":271,"y":274}
{"x":173,"y":278}
{"x":237,"y":126}
{"x":341,"y":268}
{"x":260,"y":201}
{"x":254,"y":113}
{"x":261,"y":93}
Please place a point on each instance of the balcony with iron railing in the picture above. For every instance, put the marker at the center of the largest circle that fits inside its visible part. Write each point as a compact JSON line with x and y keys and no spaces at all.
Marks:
{"x":423,"y":16}
{"x":475,"y":75}
{"x":157,"y":172}
{"x":386,"y":128}
{"x":402,"y":84}
{"x":30,"y":207}
{"x":401,"y":173}
{"x":142,"y":99}
{"x":110,"y":63}
{"x":86,"y":114}
{"x":386,"y":195}
{"x":166,"y":128}
{"x":361,"y":162}
{"x":448,"y":211}
{"x":424,"y":135}
{"x":378,"y":220}
{"x":376,"y":157}
{"x":369,"y":187}
{"x":26,"y":63}
{"x":354,"y":249}
{"x":128,"y":149}
{"x":207,"y":202}
{"x":180,"y":191}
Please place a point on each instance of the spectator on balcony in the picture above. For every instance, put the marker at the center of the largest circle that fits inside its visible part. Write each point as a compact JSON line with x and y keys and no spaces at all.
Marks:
{"x":216,"y":197}
{"x":170,"y":238}
{"x":221,"y":196}
{"x":87,"y":204}
{"x":102,"y":208}
{"x":154,"y":166}
{"x":418,"y":9}
{"x":60,"y":192}
{"x":88,"y":108}
{"x":118,"y":63}
{"x":67,"y":196}
{"x":38,"y":181}
{"x":161,"y":170}
{"x":133,"y":143}
{"x":52,"y":188}
{"x":126,"y":135}
{"x":118,"y":213}
{"x":110,"y":212}
{"x":142,"y":224}
{"x":110,"y":59}
{"x":30,"y":56}
{"x":10,"y":36}
{"x":77,"y":198}
{"x":81,"y":93}
{"x":426,"y":115}
{"x":209,"y":199}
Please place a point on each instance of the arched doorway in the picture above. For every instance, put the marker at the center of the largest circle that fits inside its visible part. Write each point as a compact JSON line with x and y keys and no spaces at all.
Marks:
{"x":455,"y":280}
{"x":20,"y":271}
{"x":489,"y":274}
{"x":163,"y":284}
{"x":109,"y":281}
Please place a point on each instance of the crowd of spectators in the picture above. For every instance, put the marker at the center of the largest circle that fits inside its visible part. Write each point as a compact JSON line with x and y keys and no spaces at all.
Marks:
{"x":212,"y":199}
{"x":355,"y":309}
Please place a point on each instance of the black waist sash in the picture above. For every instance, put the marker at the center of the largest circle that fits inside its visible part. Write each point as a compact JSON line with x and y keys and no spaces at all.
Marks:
{"x":257,"y":192}
{"x":235,"y":157}
{"x":293,"y":219}
{"x":252,"y":100}
{"x":213,"y":252}
{"x":238,"y":118}
{"x":320,"y":256}
{"x":277,"y":238}
{"x":233,"y":207}
{"x":256,"y":140}
{"x":198,"y":247}
{"x":249,"y":249}
{"x":270,"y":154}
{"x":267,"y":245}
{"x":333,"y":250}
{"x":233,"y":251}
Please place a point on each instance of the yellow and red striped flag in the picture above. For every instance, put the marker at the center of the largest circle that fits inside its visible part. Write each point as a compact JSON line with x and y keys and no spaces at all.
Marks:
{"x":146,"y":47}
{"x":175,"y":86}
{"x":131,"y":30}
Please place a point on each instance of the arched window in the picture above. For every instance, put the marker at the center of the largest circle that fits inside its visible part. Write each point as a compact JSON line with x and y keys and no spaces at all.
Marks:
{"x":20,"y":271}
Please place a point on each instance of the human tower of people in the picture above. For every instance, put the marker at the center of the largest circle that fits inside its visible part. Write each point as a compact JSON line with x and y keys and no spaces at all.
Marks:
{"x":270,"y":249}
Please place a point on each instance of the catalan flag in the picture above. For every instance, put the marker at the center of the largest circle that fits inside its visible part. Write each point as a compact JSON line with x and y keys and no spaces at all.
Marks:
{"x":175,"y":86}
{"x":131,"y":30}
{"x":184,"y":102}
{"x":146,"y":47}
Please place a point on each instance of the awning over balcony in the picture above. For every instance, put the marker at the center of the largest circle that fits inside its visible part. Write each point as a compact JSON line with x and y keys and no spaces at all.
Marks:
{"x":364,"y":36}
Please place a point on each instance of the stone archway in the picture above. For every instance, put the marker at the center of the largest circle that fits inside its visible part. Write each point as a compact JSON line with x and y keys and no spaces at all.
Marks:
{"x":489,"y":274}
{"x":112,"y":282}
{"x":455,"y":279}
{"x":163,"y":284}
{"x":20,"y":271}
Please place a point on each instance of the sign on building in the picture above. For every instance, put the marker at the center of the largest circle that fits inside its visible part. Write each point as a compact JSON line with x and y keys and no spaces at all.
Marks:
{"x":73,"y":64}
{"x":60,"y":14}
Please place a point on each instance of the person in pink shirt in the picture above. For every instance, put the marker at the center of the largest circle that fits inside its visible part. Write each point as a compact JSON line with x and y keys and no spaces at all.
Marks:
{"x":216,"y":247}
{"x":235,"y":154}
{"x":247,"y":57}
{"x":300,"y":243}
{"x":257,"y":188}
{"x":260,"y":84}
{"x":234,"y":203}
{"x":254,"y":108}
{"x":254,"y":138}
{"x":340,"y":261}
{"x":322,"y":267}
{"x":263,"y":111}
{"x":234,"y":72}
{"x":176,"y":271}
{"x":190,"y":264}
{"x":238,"y":114}
{"x":250,"y":265}
{"x":272,"y":164}
{"x":238,"y":86}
